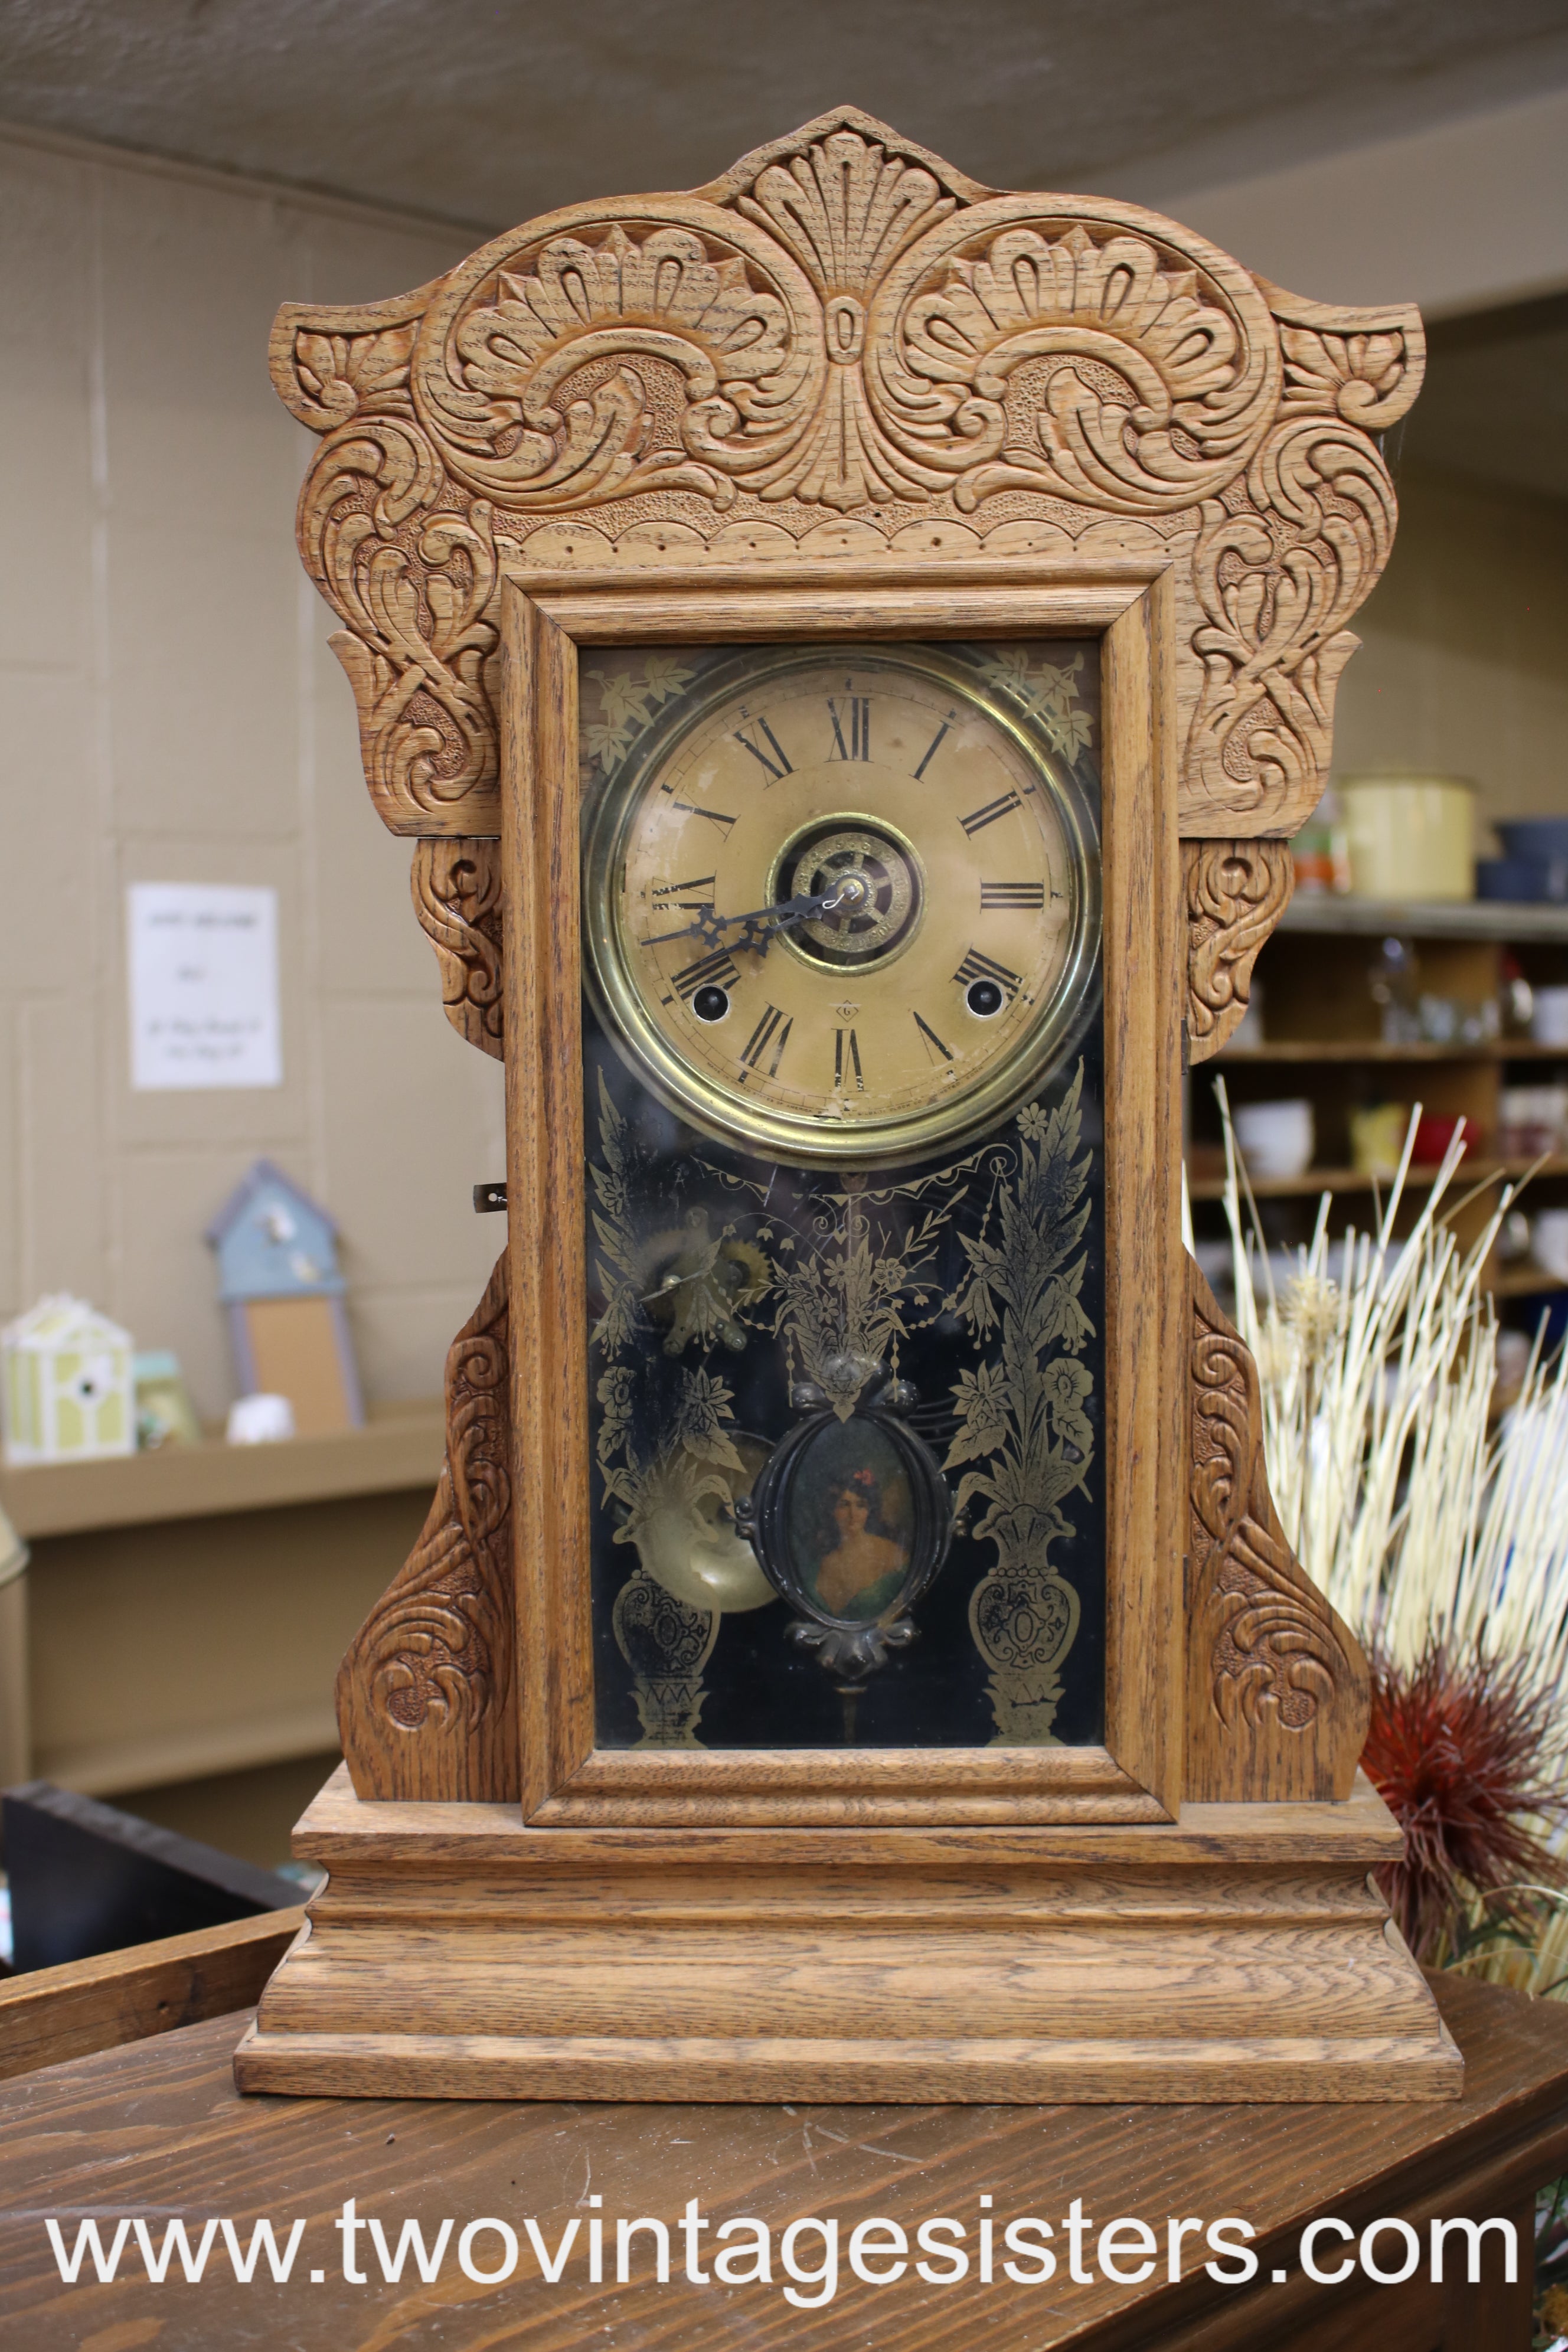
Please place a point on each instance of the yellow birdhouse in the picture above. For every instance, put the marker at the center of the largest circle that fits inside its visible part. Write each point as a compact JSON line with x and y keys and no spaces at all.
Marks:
{"x":67,"y":1384}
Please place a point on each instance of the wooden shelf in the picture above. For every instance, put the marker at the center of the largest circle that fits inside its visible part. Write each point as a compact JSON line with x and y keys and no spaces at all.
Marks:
{"x":1523,"y":1281}
{"x":1340,"y":915}
{"x":400,"y":1447}
{"x":1351,"y":1179}
{"x":1373,"y":1049}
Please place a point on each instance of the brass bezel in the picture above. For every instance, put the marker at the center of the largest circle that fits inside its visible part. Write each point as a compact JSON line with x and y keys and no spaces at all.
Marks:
{"x":804,"y":1140}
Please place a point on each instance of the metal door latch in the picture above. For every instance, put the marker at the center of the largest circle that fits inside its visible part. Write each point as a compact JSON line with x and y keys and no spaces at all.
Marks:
{"x":488,"y":1197}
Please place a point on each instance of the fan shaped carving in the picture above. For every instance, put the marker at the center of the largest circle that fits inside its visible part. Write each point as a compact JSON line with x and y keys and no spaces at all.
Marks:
{"x":845,"y":346}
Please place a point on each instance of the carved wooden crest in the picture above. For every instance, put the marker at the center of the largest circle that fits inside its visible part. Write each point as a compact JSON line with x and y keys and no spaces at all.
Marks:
{"x":845,"y":346}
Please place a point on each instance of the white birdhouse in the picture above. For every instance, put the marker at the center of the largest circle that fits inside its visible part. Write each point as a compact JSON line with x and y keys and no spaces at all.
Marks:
{"x":69,"y":1391}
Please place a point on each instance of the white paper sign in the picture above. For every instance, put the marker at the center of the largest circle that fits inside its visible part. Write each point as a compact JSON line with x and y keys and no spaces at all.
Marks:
{"x":203,"y":986}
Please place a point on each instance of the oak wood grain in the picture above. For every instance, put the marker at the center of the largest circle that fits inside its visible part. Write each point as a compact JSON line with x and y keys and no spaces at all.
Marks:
{"x":1142,"y":963}
{"x":48,"y":2015}
{"x":339,"y":1829}
{"x":1215,"y":512}
{"x":1217,"y":423}
{"x":158,"y":2130}
{"x":544,"y":1179}
{"x":1236,"y":893}
{"x":1279,"y":1694}
{"x":424,"y":1693}
{"x":1225,"y":1954}
{"x":565,"y":1779}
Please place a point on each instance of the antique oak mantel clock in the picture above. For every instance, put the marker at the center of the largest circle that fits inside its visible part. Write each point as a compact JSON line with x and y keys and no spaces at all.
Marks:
{"x":848,"y":648}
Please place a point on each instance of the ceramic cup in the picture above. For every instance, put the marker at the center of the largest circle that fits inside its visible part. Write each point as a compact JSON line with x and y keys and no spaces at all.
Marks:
{"x":259,"y":1419}
{"x":1377,"y":1139}
{"x":1549,"y":1018}
{"x":1276,"y":1138}
{"x":1410,"y":836}
{"x":1549,"y":1241}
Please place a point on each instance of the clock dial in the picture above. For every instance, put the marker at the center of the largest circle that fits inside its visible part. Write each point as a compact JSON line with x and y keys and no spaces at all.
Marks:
{"x":843,"y":909}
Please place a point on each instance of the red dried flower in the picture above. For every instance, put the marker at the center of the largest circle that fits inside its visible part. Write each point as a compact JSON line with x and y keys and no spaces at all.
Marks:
{"x":1456,"y":1748}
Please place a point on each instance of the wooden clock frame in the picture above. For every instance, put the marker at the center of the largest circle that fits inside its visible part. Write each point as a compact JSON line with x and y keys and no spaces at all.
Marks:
{"x":563,"y":1778}
{"x":1185,"y":1912}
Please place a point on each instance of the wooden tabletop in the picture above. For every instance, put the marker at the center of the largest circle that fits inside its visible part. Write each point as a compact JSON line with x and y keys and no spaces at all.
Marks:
{"x":156,"y":2129}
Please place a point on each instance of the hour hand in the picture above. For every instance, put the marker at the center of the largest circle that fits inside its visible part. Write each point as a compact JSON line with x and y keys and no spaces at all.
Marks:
{"x":760,"y":924}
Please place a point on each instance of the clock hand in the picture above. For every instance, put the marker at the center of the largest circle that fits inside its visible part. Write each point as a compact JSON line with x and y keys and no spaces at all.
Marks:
{"x":763,"y":922}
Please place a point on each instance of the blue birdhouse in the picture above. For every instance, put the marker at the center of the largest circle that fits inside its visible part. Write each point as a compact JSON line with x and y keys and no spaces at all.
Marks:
{"x":277,"y":1276}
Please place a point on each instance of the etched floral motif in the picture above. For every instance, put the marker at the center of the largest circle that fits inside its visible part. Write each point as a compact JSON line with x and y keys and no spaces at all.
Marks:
{"x":665,"y":1442}
{"x":666,"y":1643}
{"x":845,"y":1304}
{"x":631,"y":688}
{"x":1022,"y":1413}
{"x":1048,"y":691}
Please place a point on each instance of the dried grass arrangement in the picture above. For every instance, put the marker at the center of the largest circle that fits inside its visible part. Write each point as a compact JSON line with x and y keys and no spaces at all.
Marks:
{"x":1441,"y":1534}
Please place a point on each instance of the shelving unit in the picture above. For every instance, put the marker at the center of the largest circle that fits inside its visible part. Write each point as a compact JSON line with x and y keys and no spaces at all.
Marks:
{"x":187,"y":1608}
{"x":399,"y":1446}
{"x":1356,"y":1049}
{"x":1322,"y":1027}
{"x":1351,"y":1179}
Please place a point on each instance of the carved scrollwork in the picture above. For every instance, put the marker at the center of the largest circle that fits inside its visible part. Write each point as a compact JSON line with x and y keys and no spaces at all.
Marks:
{"x":458,"y":898}
{"x":844,"y":325}
{"x":1284,"y":557}
{"x":1236,"y":893}
{"x":424,"y":1693}
{"x":415,"y":582}
{"x":1277,"y":1684}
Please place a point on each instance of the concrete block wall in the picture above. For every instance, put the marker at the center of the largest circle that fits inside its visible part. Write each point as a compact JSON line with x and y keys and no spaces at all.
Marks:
{"x":169,"y":711}
{"x":1461,"y":670}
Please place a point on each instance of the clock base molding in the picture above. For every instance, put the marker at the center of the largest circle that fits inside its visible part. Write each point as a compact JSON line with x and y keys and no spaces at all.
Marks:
{"x":1239,"y":1954}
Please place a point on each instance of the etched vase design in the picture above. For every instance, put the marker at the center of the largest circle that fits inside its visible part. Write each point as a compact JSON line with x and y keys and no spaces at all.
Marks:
{"x":1023,"y":1618}
{"x":667,"y":1644}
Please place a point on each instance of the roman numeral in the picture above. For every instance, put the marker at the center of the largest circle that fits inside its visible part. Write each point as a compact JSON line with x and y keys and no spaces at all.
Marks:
{"x":931,"y":747}
{"x":1012,"y":894}
{"x":716,"y":971}
{"x":978,"y":819}
{"x":778,"y":765}
{"x":976,"y":966}
{"x":674,"y":889}
{"x":766,"y":1033}
{"x":690,"y":808}
{"x":847,"y":1060}
{"x":931,"y":1038}
{"x":859,"y":747}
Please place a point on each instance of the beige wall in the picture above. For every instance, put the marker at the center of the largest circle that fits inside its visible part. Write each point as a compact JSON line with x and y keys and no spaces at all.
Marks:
{"x":1464,"y":662}
{"x":171,"y":713}
{"x":1457,"y":216}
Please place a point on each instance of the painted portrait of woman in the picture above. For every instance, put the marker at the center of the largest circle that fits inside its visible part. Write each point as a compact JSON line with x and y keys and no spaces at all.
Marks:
{"x":855,"y":1523}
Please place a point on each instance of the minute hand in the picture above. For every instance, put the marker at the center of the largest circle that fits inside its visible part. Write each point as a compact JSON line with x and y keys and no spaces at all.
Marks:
{"x":762,"y":921}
